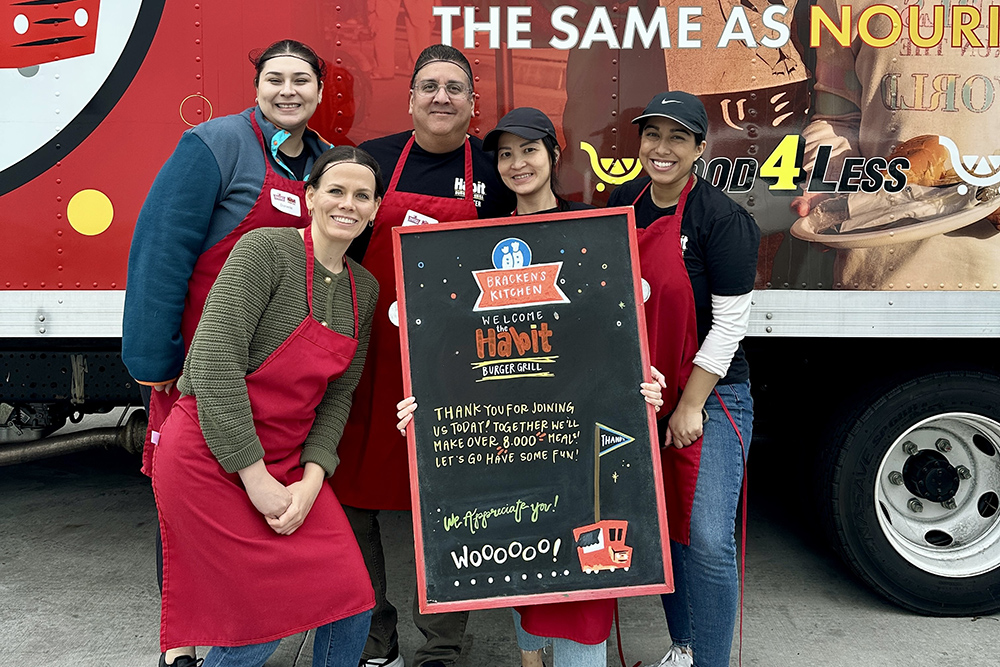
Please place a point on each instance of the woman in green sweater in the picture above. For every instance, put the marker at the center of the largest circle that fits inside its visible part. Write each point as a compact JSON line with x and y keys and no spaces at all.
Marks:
{"x":256,"y":546}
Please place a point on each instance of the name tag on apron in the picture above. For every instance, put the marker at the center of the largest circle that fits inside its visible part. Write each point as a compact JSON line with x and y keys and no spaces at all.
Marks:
{"x":414,"y":218}
{"x":286,"y":202}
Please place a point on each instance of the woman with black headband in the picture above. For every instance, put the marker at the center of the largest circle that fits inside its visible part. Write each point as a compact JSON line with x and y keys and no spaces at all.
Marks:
{"x":226,"y":177}
{"x":256,"y":546}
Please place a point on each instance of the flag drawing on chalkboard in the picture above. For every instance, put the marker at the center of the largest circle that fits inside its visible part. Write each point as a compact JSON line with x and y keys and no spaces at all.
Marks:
{"x":514,"y":281}
{"x":601,"y":545}
{"x":609,"y":439}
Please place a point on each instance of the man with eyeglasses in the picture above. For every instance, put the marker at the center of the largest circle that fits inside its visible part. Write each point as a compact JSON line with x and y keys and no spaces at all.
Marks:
{"x":439,"y":174}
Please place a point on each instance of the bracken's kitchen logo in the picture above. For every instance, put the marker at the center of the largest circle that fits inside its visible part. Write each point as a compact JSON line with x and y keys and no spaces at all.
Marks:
{"x":514,"y":281}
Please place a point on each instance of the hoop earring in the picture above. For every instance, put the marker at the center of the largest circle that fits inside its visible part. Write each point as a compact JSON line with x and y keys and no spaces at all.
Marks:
{"x":371,"y":223}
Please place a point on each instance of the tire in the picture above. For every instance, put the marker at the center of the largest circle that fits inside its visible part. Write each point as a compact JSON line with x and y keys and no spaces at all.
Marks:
{"x":912,"y":492}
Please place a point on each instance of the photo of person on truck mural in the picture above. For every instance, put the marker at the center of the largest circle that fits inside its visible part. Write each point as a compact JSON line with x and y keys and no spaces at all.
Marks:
{"x":266,"y":389}
{"x":226,"y":177}
{"x":909,"y":100}
{"x":437,"y":173}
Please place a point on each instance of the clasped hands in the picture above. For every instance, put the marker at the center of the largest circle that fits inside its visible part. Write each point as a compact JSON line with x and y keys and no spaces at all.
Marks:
{"x":285,"y":508}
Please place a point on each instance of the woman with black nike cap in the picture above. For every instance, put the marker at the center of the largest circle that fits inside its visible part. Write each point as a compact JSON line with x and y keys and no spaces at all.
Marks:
{"x":698,"y":256}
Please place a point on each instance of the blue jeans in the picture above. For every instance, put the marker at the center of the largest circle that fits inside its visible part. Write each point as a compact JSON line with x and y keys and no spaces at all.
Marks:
{"x":565,"y":652}
{"x":701,"y":612}
{"x":336,"y":644}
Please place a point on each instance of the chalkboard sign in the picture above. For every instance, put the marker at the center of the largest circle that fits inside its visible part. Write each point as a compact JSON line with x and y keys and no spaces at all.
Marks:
{"x":535,"y":474}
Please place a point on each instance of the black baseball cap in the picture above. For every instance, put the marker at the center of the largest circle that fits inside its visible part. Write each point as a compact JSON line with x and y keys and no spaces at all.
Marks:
{"x":526,"y":122}
{"x":677,"y":105}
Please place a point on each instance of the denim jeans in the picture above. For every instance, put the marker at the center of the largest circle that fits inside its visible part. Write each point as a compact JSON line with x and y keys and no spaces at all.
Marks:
{"x":565,"y":652}
{"x":701,"y":613}
{"x":336,"y":644}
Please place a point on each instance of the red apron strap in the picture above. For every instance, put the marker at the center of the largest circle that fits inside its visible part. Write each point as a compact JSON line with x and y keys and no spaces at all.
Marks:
{"x":354,"y":299}
{"x":260,"y":138}
{"x":681,"y":201}
{"x":641,"y":193}
{"x":310,"y":259}
{"x":468,"y":171}
{"x":398,"y":171}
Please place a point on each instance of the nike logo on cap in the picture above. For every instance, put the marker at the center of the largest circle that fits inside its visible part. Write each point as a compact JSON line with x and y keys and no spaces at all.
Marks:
{"x":670,"y":101}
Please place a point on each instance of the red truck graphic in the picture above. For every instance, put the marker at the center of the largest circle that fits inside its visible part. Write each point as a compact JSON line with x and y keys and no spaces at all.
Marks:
{"x":601,"y":546}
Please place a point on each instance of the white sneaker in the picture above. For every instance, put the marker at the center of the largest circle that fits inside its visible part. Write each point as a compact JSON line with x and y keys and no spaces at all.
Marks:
{"x":383,"y":662}
{"x":677,"y":657}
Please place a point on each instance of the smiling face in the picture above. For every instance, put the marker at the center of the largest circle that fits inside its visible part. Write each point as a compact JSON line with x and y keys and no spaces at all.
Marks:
{"x":440,"y":119}
{"x":668,"y":152}
{"x":524,"y":165}
{"x":288,"y":92}
{"x":342,"y":203}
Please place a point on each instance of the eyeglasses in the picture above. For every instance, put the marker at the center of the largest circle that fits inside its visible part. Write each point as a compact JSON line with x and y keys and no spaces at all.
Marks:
{"x":454,"y":89}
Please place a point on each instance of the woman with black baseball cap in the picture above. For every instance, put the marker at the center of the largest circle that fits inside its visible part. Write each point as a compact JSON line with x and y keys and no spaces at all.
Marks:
{"x":527,"y":154}
{"x":698,"y":256}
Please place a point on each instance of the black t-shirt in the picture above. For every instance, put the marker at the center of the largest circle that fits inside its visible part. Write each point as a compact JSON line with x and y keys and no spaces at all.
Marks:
{"x":438,"y":175}
{"x":297,"y":164}
{"x":720,"y":242}
{"x":566,"y":205}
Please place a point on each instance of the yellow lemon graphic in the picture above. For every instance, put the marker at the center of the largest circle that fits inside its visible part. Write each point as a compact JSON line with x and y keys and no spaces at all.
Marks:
{"x":613,"y":171}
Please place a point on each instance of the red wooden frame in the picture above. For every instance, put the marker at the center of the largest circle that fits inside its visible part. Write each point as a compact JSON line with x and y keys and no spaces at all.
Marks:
{"x":537,"y":598}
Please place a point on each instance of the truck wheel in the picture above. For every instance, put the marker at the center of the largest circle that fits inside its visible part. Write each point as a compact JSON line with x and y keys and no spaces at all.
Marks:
{"x":913,"y":491}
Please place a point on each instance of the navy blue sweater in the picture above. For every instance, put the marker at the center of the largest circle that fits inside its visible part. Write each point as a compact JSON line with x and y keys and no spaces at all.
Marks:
{"x":203,"y":191}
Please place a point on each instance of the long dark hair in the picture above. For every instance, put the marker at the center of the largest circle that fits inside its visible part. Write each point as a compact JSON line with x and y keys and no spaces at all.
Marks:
{"x":339,"y":154}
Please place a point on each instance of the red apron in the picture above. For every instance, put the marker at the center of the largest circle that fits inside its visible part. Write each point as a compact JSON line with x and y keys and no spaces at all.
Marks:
{"x":374,"y":470}
{"x":672,"y":330}
{"x":228,"y":578}
{"x":262,"y":214}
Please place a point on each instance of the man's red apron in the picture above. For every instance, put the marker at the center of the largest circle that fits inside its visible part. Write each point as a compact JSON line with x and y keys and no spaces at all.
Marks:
{"x":374,"y":471}
{"x":672,"y":330}
{"x":673,"y":341}
{"x":228,"y":578}
{"x":264,"y":213}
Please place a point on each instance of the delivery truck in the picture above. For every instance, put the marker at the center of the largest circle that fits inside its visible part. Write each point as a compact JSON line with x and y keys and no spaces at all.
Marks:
{"x":862,"y":138}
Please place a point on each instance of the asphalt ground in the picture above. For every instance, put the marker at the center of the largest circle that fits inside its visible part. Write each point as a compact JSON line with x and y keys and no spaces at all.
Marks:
{"x":78,"y":585}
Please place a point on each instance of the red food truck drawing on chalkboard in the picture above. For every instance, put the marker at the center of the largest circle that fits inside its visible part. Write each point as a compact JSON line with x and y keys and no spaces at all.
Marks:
{"x":601,"y":546}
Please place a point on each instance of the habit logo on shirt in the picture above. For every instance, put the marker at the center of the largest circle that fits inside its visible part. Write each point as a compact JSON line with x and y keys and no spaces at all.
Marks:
{"x":684,"y":243}
{"x":478,"y":191}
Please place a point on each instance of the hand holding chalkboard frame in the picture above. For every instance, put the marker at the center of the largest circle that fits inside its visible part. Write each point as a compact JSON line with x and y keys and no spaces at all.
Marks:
{"x":534,"y":464}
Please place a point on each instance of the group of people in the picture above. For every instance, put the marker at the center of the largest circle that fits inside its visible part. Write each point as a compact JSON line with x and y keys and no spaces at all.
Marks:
{"x":257,"y":320}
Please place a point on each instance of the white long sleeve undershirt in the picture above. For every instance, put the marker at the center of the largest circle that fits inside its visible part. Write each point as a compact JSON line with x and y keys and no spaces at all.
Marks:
{"x":730,"y":318}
